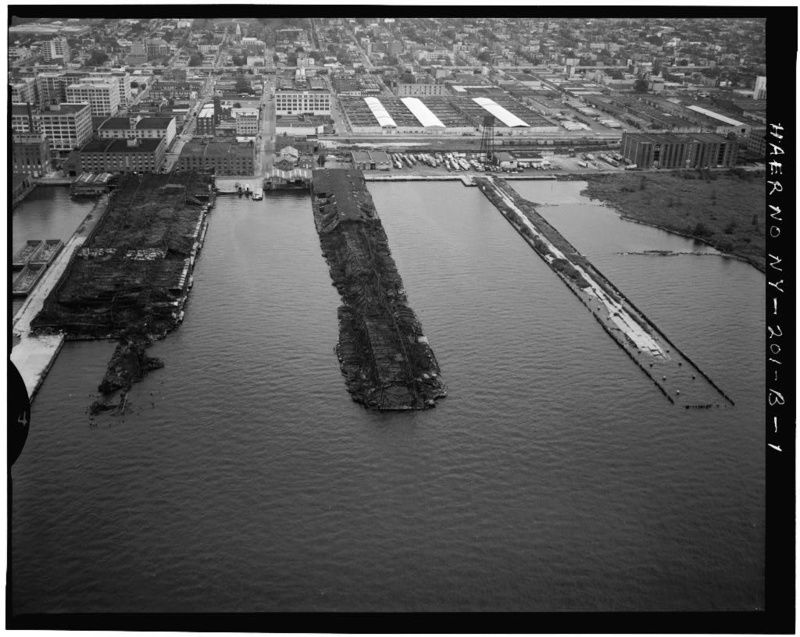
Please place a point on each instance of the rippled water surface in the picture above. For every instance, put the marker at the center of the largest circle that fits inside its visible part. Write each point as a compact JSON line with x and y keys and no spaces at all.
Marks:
{"x":553,"y":477}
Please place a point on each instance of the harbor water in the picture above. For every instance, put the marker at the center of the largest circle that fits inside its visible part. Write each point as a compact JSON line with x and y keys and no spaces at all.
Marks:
{"x":47,"y":213}
{"x":554,"y":476}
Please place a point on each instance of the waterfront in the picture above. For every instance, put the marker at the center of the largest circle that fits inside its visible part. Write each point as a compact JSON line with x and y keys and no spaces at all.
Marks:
{"x":553,"y":477}
{"x":47,"y":213}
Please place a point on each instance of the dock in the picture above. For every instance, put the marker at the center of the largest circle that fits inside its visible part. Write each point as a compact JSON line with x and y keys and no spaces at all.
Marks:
{"x":35,"y":354}
{"x":672,"y":371}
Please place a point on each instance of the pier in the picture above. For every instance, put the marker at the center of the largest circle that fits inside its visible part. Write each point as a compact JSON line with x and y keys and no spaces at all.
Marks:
{"x":386,"y":359}
{"x":33,"y":355}
{"x":672,"y":371}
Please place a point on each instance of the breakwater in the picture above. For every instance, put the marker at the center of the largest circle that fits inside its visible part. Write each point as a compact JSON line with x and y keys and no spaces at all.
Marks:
{"x":383,"y":353}
{"x":672,"y":371}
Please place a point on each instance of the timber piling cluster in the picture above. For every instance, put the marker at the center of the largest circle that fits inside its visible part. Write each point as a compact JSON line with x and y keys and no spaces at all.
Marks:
{"x":386,"y":359}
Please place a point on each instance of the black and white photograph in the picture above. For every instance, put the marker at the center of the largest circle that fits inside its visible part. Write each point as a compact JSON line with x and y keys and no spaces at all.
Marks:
{"x":389,"y":318}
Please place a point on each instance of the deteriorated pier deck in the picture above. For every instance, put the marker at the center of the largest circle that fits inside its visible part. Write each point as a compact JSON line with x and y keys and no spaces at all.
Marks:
{"x":672,"y":371}
{"x":383,"y":353}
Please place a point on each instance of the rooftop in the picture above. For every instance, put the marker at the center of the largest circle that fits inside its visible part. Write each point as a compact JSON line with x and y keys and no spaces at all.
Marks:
{"x":120,"y":146}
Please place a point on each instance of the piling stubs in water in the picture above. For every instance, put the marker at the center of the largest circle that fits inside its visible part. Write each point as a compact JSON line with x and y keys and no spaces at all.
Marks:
{"x":384,"y":356}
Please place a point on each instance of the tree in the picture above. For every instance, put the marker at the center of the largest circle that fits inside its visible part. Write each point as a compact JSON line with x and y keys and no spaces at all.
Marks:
{"x":321,"y":159}
{"x":196,"y":60}
{"x":640,"y":85}
{"x":97,"y":58}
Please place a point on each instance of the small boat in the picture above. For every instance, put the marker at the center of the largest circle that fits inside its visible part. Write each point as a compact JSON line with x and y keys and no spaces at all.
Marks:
{"x":258,"y":194}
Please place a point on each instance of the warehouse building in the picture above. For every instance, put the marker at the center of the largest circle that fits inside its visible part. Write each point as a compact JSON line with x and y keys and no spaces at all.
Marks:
{"x":666,"y":150}
{"x":138,"y":128}
{"x":220,"y":157}
{"x":295,"y":102}
{"x":122,"y":156}
{"x":102,"y":97}
{"x":31,"y":154}
{"x":206,"y":120}
{"x":371,"y":160}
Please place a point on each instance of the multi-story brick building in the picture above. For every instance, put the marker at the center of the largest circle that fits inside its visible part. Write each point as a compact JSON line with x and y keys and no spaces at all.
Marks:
{"x":66,"y":126}
{"x":102,"y":96}
{"x":51,"y":88}
{"x":24,"y":91}
{"x":206,"y":121}
{"x":405,"y":90}
{"x":246,"y":121}
{"x":123,"y":80}
{"x":30,"y":153}
{"x":138,"y":128}
{"x":666,"y":150}
{"x":757,"y":141}
{"x":294,"y":102}
{"x":122,"y":155}
{"x":222,"y":158}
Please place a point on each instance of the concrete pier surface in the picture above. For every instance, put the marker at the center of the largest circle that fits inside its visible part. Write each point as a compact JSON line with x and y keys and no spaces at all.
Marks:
{"x":34,"y":355}
{"x":672,"y":371}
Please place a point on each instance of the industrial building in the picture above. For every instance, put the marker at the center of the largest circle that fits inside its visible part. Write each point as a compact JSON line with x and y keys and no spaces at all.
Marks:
{"x":417,"y":89}
{"x":51,"y":88}
{"x":221,"y":157}
{"x":30,"y":153}
{"x":122,"y":155}
{"x":138,"y":128}
{"x":57,"y":50}
{"x":371,"y":160}
{"x":24,"y":91}
{"x":295,"y":102}
{"x":102,"y":97}
{"x":206,"y":120}
{"x":66,"y":126}
{"x":666,"y":150}
{"x":450,"y":115}
{"x":246,"y":121}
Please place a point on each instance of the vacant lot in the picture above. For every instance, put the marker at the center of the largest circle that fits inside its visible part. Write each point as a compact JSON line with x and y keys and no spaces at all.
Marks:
{"x":724,"y":210}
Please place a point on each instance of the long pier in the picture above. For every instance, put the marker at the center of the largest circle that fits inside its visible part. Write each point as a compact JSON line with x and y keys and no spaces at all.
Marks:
{"x":672,"y":371}
{"x":383,"y":353}
{"x":35,"y":355}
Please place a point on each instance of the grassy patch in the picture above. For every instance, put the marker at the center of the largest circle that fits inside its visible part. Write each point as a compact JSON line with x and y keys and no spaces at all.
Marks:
{"x":725,"y":210}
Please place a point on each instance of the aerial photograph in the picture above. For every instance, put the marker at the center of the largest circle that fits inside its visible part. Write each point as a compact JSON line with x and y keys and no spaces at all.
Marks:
{"x":386,"y":312}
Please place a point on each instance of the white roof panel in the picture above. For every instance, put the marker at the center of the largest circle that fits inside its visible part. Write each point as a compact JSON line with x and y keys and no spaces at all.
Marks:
{"x":509,"y":119}
{"x":421,"y":112}
{"x":380,"y":113}
{"x":712,"y":114}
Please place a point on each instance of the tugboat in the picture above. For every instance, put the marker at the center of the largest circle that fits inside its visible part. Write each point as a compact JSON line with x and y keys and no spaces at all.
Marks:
{"x":239,"y":188}
{"x":247,"y":191}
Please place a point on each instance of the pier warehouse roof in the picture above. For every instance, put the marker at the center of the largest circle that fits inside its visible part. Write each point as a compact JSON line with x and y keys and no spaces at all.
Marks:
{"x":509,"y":119}
{"x":713,"y":115}
{"x":423,"y":114}
{"x":378,"y":110}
